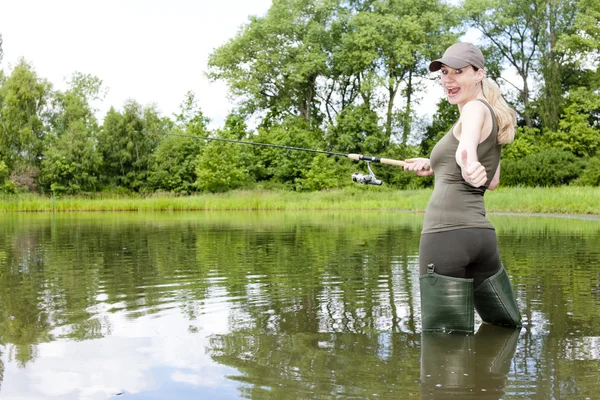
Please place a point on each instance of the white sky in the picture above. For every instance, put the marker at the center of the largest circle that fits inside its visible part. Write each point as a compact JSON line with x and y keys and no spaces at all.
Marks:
{"x":151,"y":51}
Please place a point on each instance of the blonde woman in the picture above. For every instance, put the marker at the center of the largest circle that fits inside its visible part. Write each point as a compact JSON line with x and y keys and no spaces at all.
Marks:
{"x":460,"y":265}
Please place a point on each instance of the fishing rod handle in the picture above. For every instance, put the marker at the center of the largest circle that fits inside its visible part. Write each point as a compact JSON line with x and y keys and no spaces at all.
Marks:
{"x":397,"y":163}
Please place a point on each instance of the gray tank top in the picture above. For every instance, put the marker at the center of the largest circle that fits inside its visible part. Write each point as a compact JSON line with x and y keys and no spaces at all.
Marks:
{"x":454,"y":203}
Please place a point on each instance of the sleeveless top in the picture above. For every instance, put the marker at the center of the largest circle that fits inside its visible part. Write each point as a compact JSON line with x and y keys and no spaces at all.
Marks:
{"x":454,"y":203}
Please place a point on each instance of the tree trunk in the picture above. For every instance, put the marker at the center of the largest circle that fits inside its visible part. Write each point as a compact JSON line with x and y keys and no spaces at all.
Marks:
{"x":408,"y":110}
{"x":392,"y":90}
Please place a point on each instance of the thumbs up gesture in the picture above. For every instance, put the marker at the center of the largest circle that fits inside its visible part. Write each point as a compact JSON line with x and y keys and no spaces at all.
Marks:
{"x":473,"y":173}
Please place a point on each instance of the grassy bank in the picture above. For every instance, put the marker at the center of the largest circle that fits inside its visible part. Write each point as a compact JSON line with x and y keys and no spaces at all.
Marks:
{"x":561,"y":200}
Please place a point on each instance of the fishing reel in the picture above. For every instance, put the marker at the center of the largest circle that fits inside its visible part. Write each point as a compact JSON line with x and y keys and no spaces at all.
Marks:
{"x":370,"y":179}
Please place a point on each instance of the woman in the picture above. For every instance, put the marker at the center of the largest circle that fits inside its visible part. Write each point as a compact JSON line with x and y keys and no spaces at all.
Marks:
{"x":459,"y":262}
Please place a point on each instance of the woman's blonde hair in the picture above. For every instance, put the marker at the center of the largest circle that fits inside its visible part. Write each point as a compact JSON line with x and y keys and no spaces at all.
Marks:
{"x":505,"y":115}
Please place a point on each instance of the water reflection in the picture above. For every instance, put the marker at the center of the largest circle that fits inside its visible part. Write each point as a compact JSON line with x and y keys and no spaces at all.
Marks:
{"x":467,"y":366}
{"x":290,"y":305}
{"x":312,"y":366}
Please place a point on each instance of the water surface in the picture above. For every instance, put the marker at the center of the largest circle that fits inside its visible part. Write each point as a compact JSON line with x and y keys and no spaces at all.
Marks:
{"x":312,"y":305}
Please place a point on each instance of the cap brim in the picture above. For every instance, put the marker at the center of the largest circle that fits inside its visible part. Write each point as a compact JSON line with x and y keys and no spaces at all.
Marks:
{"x":452,"y":62}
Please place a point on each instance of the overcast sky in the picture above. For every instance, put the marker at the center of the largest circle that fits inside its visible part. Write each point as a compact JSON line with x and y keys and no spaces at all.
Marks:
{"x":148,"y":50}
{"x":152,"y":51}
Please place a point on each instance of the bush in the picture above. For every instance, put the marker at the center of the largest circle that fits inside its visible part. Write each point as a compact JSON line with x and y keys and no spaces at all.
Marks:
{"x":546,"y":168}
{"x":4,"y":172}
{"x":220,"y":168}
{"x":325,"y":173}
{"x":591,"y":174}
{"x":8,"y":187}
{"x":24,"y":178}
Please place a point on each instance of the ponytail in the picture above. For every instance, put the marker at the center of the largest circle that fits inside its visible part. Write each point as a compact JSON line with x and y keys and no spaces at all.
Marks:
{"x":505,"y":115}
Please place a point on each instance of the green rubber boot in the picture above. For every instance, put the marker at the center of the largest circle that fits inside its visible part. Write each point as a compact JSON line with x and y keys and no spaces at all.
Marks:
{"x":495,"y":301}
{"x":446,"y":303}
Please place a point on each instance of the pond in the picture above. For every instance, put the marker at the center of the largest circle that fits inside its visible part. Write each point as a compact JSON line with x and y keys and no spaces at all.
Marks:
{"x":294,"y":305}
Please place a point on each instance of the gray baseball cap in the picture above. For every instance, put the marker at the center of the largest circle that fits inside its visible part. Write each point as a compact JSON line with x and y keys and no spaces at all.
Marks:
{"x":459,"y":55}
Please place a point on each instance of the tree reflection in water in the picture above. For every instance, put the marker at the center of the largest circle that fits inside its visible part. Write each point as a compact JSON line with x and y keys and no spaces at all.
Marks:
{"x":321,"y":365}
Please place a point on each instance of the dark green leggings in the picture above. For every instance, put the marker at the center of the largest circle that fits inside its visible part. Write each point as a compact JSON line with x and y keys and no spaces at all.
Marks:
{"x":461,"y":253}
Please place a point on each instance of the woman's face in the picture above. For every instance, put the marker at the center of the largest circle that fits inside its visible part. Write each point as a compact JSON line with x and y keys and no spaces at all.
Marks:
{"x":461,"y":85}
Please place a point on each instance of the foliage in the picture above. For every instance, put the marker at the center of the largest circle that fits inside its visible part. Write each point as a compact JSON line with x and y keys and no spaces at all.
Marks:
{"x":445,"y":117}
{"x":4,"y":172}
{"x":591,"y":174}
{"x":220,"y":168}
{"x":6,"y":185}
{"x":76,"y":103}
{"x":513,"y":29}
{"x":325,"y":172}
{"x":334,"y":75}
{"x":24,"y":178}
{"x":287,"y":167}
{"x":356,"y":131}
{"x":551,"y":167}
{"x":274,"y":61}
{"x":72,"y":164}
{"x":173,"y":164}
{"x":392,"y":43}
{"x":578,"y":127}
{"x":527,"y":141}
{"x":126,"y":143}
{"x":23,"y":115}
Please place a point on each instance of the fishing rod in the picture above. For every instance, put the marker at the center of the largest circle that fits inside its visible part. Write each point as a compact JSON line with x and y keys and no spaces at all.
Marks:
{"x":366,"y":179}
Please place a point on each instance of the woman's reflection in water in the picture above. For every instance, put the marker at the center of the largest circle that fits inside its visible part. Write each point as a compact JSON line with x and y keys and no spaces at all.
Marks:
{"x":471,"y":366}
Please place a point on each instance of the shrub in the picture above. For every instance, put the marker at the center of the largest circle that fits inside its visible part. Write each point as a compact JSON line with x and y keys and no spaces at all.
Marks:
{"x":24,"y":178}
{"x":591,"y":174}
{"x":546,"y":168}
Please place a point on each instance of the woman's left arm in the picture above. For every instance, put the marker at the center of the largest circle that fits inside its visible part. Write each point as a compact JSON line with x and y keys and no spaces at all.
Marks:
{"x":495,"y":180}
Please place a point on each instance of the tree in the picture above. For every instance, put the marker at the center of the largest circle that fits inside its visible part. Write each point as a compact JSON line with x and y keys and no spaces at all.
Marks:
{"x":357,"y":131}
{"x":222,"y":166}
{"x":446,"y":115}
{"x":514,"y":29}
{"x":76,"y":103}
{"x":578,"y":131}
{"x":558,"y":20}
{"x":286,"y":167}
{"x":173,"y":164}
{"x":126,"y":143}
{"x":72,"y":163}
{"x":272,"y":65}
{"x":24,"y":116}
{"x":549,"y":41}
{"x":392,"y":44}
{"x":71,"y":160}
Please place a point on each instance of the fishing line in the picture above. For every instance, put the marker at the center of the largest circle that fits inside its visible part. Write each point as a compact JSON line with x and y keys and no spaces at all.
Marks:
{"x":369,"y":179}
{"x":331,"y":153}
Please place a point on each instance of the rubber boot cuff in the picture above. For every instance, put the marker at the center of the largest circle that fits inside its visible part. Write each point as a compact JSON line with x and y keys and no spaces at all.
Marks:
{"x":495,"y":301}
{"x":446,"y":303}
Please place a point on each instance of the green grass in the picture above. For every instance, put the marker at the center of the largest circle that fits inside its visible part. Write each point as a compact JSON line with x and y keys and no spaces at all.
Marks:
{"x":560,"y":200}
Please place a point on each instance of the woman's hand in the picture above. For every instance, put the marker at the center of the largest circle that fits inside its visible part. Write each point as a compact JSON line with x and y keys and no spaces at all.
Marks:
{"x":420,"y":166}
{"x":473,"y":173}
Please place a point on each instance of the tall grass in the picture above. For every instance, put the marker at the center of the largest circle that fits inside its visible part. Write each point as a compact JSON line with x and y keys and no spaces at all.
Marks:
{"x":557,"y":200}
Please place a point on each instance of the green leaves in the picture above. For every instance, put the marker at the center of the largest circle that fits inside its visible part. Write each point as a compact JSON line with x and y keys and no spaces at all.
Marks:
{"x":23,"y":116}
{"x":220,"y":168}
{"x":71,"y":164}
{"x":126,"y":143}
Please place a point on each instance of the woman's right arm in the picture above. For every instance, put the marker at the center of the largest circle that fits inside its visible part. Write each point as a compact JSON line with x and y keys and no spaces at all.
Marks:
{"x":420,"y":166}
